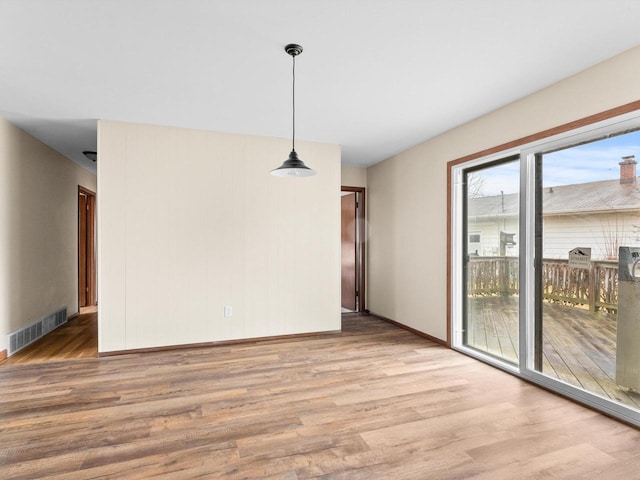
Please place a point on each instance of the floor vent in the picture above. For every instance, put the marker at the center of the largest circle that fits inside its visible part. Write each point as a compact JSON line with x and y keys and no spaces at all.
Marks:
{"x":29,"y":334}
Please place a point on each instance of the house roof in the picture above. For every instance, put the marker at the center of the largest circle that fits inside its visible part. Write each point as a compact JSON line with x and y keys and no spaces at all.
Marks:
{"x":603,"y":196}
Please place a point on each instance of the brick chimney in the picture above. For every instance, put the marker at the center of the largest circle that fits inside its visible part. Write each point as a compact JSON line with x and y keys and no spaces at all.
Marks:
{"x":628,"y":169}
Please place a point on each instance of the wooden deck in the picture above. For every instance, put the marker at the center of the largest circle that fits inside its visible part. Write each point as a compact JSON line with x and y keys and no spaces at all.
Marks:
{"x":579,"y":347}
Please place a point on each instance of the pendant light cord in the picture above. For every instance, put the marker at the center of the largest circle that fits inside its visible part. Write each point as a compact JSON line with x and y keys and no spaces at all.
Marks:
{"x":293,"y":136}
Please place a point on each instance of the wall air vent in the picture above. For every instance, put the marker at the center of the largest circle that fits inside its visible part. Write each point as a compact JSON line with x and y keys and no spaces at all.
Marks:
{"x":29,"y":334}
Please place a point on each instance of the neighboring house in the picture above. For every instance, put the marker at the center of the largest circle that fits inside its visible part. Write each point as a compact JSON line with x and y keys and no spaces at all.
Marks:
{"x":487,"y":218}
{"x":601,"y":215}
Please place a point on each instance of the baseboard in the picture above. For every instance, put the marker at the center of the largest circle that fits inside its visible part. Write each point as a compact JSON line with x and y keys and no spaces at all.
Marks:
{"x":3,"y":355}
{"x":222,"y":343}
{"x":412,"y":330}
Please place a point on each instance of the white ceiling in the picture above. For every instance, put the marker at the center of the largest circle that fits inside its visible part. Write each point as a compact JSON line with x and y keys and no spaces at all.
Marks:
{"x":376,"y":76}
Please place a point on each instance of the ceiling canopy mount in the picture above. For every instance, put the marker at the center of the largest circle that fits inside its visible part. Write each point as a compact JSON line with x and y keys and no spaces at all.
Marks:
{"x":293,"y":49}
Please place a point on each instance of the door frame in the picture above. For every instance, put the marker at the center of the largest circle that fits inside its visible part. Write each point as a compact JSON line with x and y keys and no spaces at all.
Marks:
{"x":360,"y":245}
{"x":91,"y":249}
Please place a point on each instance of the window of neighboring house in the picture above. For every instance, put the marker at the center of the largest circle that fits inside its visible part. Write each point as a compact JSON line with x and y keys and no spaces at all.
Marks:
{"x":475,"y":243}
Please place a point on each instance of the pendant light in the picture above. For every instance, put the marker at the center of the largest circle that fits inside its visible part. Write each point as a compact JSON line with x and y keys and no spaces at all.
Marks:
{"x":293,"y":166}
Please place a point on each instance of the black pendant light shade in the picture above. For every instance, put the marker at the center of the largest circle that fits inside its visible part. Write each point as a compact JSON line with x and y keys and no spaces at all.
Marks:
{"x":293,"y":166}
{"x":91,"y":155}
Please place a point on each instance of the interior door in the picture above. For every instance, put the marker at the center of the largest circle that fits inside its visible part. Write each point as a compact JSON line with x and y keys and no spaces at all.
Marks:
{"x":349,"y":290}
{"x":82,"y":249}
{"x":86,"y":248}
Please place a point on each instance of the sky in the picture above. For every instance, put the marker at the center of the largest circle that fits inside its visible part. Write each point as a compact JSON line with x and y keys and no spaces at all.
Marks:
{"x":591,"y":162}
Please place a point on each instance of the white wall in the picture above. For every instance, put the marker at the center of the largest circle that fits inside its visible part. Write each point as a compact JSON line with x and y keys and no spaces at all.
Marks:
{"x":407,"y":193}
{"x":354,"y":176}
{"x":191,"y":221}
{"x":39,"y":230}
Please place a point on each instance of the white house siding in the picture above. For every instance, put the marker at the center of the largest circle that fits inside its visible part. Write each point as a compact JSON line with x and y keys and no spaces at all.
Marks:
{"x":489,"y":230}
{"x":602,"y":232}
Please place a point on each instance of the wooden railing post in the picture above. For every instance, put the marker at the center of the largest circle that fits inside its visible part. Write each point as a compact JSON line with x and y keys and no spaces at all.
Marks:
{"x":504,"y":280}
{"x":593,"y":294}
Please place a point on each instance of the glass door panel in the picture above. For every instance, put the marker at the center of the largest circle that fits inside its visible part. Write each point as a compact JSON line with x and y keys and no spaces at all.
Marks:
{"x":587,"y":315}
{"x":490,"y":251}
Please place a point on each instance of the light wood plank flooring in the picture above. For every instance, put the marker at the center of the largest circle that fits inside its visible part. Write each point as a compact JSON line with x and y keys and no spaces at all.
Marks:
{"x":375,"y":402}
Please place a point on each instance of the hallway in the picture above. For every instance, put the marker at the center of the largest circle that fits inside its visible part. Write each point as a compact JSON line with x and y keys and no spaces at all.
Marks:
{"x":78,"y":338}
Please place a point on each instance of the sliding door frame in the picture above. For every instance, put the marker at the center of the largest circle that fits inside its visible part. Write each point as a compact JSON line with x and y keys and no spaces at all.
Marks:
{"x":529,"y":149}
{"x":460,"y":254}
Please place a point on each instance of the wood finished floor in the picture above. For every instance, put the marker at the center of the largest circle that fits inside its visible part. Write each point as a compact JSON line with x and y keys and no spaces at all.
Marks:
{"x":375,"y":402}
{"x":78,"y":338}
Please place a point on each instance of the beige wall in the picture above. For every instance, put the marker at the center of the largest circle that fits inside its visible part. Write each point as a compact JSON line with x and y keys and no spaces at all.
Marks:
{"x":39,"y":230}
{"x":407,"y":193}
{"x":191,"y":221}
{"x":354,"y":176}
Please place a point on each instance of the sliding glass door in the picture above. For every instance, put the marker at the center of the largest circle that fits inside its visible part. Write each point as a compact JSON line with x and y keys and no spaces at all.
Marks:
{"x":545,"y":263}
{"x":490,"y":258}
{"x":588,"y":313}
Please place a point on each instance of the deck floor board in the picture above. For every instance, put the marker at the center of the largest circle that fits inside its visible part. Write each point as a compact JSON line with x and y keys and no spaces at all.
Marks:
{"x":579,"y":347}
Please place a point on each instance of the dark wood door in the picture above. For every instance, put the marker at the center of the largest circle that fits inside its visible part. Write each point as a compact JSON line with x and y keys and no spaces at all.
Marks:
{"x":349,"y":291}
{"x":86,"y":248}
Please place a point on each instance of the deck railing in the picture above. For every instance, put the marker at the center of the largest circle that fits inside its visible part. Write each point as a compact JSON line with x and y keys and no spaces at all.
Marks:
{"x":595,"y":288}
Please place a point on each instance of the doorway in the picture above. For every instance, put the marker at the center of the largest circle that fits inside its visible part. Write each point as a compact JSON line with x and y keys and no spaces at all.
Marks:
{"x":352,"y":249}
{"x":86,"y":248}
